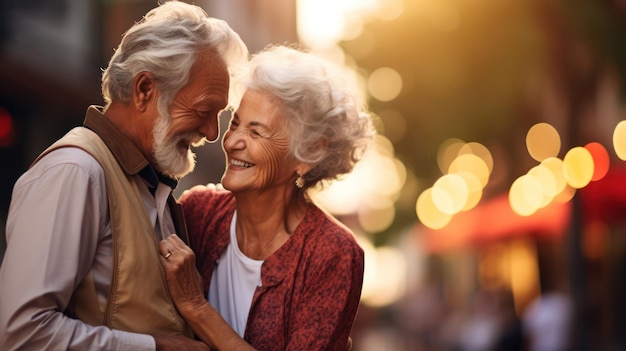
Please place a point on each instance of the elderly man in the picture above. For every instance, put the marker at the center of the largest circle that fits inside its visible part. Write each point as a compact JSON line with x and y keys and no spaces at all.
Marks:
{"x":82,"y":269}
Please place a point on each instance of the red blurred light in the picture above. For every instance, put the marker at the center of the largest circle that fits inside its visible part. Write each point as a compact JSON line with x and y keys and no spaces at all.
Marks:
{"x":601,"y":161}
{"x":7,"y":132}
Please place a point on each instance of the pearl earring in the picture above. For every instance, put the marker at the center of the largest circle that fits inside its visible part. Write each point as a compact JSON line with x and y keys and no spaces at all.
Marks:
{"x":299,"y":182}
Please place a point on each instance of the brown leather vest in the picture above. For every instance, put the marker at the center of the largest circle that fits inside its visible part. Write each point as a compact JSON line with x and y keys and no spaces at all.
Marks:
{"x":138,"y":299}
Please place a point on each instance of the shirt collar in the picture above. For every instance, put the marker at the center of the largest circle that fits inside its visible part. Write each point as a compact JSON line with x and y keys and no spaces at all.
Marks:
{"x":152,"y":177}
{"x":130,"y":158}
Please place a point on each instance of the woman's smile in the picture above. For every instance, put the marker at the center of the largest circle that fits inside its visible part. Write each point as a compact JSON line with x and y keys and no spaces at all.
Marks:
{"x":239,"y":163}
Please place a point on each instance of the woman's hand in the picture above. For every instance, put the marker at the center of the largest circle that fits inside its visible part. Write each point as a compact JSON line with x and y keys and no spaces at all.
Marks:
{"x":210,"y":186}
{"x":183,"y":279}
{"x":185,"y":285}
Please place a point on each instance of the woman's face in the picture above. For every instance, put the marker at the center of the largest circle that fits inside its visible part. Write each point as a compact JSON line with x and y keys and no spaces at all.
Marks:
{"x":256,"y":146}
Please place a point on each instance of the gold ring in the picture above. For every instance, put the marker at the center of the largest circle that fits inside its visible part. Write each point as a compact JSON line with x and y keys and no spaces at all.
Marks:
{"x":169,"y":253}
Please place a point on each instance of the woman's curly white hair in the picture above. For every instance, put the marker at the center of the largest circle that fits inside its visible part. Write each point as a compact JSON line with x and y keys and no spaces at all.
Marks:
{"x":328,"y":127}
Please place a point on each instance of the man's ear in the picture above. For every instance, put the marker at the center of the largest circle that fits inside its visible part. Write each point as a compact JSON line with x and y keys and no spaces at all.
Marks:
{"x":144,"y":90}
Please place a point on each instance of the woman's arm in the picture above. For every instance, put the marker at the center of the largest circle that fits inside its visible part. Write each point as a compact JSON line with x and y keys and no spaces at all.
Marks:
{"x":185,"y":286}
{"x":207,"y":323}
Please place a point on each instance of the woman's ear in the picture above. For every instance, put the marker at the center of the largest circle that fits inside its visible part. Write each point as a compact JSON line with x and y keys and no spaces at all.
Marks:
{"x":144,"y":90}
{"x":303,"y":168}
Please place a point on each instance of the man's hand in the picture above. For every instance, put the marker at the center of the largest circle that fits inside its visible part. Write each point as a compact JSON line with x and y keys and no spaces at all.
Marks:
{"x":179,"y":343}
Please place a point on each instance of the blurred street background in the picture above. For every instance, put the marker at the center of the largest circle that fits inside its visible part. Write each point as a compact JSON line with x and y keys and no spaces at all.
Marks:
{"x":492,"y":206}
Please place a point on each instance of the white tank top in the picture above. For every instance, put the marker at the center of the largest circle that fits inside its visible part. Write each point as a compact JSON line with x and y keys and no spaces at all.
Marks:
{"x":233,"y":283}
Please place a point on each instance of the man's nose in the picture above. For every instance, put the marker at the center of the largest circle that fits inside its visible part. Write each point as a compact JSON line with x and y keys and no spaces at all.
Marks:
{"x":210,"y":128}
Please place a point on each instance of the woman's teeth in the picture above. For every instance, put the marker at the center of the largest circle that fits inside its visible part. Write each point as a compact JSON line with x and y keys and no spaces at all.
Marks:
{"x":240,"y":163}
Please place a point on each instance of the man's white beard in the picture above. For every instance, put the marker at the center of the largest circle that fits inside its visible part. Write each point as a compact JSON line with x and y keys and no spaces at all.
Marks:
{"x":171,"y":158}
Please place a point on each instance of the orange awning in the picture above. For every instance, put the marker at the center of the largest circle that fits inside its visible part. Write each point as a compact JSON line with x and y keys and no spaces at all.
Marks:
{"x":494,"y":219}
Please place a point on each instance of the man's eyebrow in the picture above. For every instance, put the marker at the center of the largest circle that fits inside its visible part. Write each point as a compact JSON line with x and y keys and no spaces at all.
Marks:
{"x":210,"y":101}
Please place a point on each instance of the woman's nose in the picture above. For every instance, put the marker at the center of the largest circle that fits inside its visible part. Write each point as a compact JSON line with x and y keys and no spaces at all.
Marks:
{"x":233,"y":140}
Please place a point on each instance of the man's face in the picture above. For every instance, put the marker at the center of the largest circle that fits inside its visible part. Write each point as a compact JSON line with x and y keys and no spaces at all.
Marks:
{"x":192,"y":117}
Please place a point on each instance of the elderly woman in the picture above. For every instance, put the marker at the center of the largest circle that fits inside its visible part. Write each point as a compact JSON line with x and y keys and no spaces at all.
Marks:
{"x":284,"y":274}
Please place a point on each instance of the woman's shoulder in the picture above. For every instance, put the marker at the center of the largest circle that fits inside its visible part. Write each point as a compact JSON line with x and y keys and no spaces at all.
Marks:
{"x":325,"y":229}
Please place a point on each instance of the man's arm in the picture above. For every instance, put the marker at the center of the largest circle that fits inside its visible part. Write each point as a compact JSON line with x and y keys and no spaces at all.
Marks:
{"x":53,"y":237}
{"x":213,"y":329}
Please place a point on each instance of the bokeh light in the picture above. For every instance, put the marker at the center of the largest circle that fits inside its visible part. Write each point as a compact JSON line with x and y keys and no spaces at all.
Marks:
{"x":450,"y":193}
{"x":525,"y":195}
{"x":578,"y":167}
{"x":428,"y":213}
{"x":7,"y":128}
{"x":473,"y":164}
{"x":543,"y":141}
{"x":479,"y":150}
{"x":384,"y":84}
{"x":619,"y":140}
{"x":555,"y":165}
{"x":547,"y":181}
{"x":466,"y":169}
{"x":475,"y":190}
{"x":601,"y":160}
{"x":448,"y":151}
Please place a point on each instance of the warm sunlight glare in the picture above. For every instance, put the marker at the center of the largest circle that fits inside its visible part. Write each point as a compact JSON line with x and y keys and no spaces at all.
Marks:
{"x":384,"y":279}
{"x":322,"y":23}
{"x":371,"y":188}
